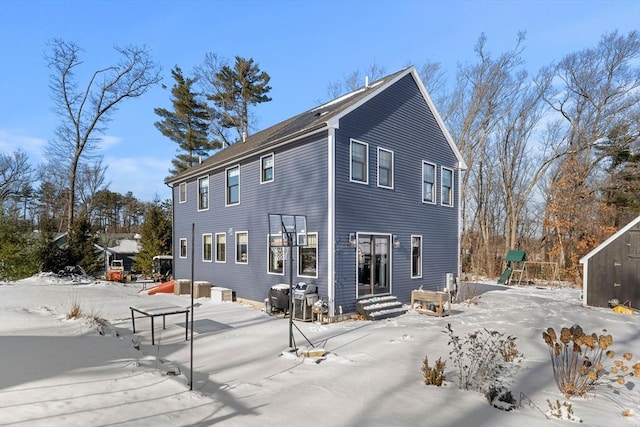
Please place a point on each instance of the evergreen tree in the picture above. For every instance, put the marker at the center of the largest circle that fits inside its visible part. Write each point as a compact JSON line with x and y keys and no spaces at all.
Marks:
{"x":52,"y":258}
{"x":187,"y":125}
{"x":81,"y":249}
{"x":237,"y":88}
{"x":156,"y":236}
{"x":17,"y":257}
{"x":622,"y":188}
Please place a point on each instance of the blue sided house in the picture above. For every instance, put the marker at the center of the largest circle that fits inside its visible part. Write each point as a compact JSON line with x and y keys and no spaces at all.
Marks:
{"x":377,"y":176}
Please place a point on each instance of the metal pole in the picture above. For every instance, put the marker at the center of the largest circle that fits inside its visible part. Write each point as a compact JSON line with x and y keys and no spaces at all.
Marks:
{"x":290,"y":290}
{"x":193,"y":226}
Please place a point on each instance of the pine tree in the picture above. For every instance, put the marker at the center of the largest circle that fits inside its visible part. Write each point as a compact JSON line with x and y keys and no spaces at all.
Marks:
{"x":156,"y":236}
{"x":187,"y":125}
{"x":622,"y":187}
{"x":238,"y":87}
{"x":81,"y":249}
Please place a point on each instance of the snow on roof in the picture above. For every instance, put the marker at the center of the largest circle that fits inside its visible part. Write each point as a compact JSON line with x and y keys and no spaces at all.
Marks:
{"x":126,"y":246}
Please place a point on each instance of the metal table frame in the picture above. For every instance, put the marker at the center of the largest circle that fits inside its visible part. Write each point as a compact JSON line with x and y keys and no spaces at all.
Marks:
{"x":154,"y":312}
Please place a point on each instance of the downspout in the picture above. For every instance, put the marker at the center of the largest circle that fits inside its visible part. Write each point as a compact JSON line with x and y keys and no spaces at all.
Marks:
{"x":460,"y":225}
{"x":331,"y":218}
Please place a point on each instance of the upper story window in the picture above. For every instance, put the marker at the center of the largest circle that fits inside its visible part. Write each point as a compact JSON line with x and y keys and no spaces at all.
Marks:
{"x":183,"y":248}
{"x":266,"y":168}
{"x":428,"y":182}
{"x":221,"y":247}
{"x":207,"y":247}
{"x":308,"y":257}
{"x":385,"y":168}
{"x":233,"y":186}
{"x":447,"y":187}
{"x":416,"y":256}
{"x":242,"y":247}
{"x":182,"y":192}
{"x":359,"y":170}
{"x":203,"y":193}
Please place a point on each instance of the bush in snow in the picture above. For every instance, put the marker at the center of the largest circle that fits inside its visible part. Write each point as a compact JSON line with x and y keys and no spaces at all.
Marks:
{"x":579,"y":361}
{"x":433,"y":375}
{"x":483,"y":359}
{"x":562,"y":411}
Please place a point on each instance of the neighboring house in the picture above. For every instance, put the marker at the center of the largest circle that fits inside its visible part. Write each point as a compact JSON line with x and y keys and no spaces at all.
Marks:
{"x":612,"y":270}
{"x":124,"y":246}
{"x":377,"y":176}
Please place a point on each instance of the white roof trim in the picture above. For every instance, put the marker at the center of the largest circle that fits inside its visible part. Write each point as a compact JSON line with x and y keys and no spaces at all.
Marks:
{"x":602,"y":245}
{"x":334,"y":121}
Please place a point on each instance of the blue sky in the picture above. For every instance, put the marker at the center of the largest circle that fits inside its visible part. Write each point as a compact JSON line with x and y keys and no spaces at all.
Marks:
{"x":304,"y":45}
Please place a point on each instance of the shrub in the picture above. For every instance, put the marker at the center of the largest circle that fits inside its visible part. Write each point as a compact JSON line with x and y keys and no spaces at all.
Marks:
{"x":562,"y":411}
{"x":482,"y":357}
{"x":578,"y":360}
{"x":433,"y":375}
{"x":75,"y":312}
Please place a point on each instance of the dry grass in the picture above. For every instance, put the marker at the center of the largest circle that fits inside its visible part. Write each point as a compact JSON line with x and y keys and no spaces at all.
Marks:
{"x":433,"y":375}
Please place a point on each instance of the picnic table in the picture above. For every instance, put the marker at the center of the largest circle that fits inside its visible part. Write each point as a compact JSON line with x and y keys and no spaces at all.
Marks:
{"x":161,"y":310}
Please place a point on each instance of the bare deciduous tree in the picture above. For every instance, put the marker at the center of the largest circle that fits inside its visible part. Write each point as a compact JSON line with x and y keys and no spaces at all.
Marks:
{"x":596,"y":88}
{"x":86,"y":110}
{"x":355,"y":80}
{"x":15,"y":174}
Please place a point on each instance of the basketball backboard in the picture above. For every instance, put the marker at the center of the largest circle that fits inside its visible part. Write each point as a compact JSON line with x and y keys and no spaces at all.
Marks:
{"x":287,"y":230}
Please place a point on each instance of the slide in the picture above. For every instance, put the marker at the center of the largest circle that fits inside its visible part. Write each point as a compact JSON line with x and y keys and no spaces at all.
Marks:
{"x":166,"y":287}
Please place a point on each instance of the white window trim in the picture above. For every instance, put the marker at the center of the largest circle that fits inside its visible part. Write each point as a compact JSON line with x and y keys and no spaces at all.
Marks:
{"x":215,"y":249}
{"x":273,"y":168}
{"x":186,"y":248}
{"x":298,"y":259}
{"x":226,"y":186}
{"x":366,"y":162}
{"x":208,"y":193}
{"x":449,"y":205}
{"x":203,"y":236}
{"x":180,"y":187}
{"x":434,"y":199}
{"x":392,"y":168}
{"x":269,"y":255}
{"x":235,"y":253}
{"x":421,"y":256}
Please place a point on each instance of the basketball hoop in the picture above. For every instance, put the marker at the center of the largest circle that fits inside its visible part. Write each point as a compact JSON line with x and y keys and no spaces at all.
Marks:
{"x":278,"y":253}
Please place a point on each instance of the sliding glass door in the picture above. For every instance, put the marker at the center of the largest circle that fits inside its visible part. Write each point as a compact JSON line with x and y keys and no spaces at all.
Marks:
{"x":374,"y":264}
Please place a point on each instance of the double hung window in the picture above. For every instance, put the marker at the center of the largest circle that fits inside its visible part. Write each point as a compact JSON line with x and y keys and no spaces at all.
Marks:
{"x":242,"y":247}
{"x":428,"y":182}
{"x":385,"y":168}
{"x":266,"y":167}
{"x":447,"y":187}
{"x":183,"y":248}
{"x":182,"y":192}
{"x":221,"y":247}
{"x":203,"y":193}
{"x":233,"y":186}
{"x":359,"y":162}
{"x":308,"y":257}
{"x":207,"y":247}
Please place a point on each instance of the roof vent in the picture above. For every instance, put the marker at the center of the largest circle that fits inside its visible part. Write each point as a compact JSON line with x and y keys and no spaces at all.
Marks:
{"x":244,"y":136}
{"x":366,"y":81}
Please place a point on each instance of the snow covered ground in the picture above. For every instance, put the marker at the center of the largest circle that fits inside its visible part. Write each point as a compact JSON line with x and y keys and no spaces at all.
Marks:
{"x":56,"y":372}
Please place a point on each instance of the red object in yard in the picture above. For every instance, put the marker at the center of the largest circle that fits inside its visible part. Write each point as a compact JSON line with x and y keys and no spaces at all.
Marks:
{"x":166,"y":287}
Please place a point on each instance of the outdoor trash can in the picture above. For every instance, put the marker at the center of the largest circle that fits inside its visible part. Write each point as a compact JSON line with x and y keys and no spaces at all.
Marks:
{"x":279,"y":298}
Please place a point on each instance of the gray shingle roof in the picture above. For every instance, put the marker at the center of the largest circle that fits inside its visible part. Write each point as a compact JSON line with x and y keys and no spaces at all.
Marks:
{"x":301,"y":124}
